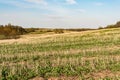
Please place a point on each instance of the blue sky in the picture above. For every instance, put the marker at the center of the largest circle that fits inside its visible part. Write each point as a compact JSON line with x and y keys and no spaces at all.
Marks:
{"x":60,"y":13}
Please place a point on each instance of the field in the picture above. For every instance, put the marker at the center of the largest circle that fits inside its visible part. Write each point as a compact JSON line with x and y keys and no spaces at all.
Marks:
{"x":88,"y":55}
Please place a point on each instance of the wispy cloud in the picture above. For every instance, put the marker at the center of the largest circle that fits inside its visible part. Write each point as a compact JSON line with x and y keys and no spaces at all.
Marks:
{"x":57,"y":13}
{"x":98,"y":3}
{"x":15,"y":3}
{"x":71,"y":1}
{"x":26,"y":3}
{"x":37,"y":1}
{"x":81,"y":10}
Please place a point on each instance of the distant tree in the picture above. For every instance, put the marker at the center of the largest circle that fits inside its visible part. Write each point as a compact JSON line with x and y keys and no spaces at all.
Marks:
{"x":118,"y":24}
{"x":110,"y":26}
{"x":58,"y":31}
{"x":101,"y":27}
{"x":28,"y":30}
{"x":1,"y":29}
{"x":7,"y":30}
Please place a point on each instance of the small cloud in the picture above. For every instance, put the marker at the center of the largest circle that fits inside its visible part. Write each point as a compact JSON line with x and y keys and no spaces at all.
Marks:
{"x":71,"y":1}
{"x":98,"y":3}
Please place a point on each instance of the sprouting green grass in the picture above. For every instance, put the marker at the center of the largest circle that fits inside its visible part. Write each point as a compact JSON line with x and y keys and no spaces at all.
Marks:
{"x":75,"y":54}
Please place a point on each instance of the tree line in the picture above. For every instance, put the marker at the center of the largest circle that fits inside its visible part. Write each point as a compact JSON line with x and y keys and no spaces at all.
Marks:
{"x":11,"y":31}
{"x":117,"y":25}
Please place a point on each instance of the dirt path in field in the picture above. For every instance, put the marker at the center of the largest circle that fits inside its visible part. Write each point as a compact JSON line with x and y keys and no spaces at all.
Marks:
{"x":26,"y":38}
{"x":103,"y":74}
{"x":94,"y":75}
{"x":29,"y":38}
{"x":56,"y":78}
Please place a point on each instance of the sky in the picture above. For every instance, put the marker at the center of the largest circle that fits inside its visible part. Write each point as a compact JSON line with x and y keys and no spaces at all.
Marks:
{"x":60,"y":13}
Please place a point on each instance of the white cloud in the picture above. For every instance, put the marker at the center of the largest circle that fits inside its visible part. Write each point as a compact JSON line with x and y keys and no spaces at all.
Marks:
{"x":37,"y":1}
{"x":71,"y":1}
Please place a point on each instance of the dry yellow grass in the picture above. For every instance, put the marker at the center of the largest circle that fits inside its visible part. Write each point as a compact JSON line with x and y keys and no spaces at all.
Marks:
{"x":89,"y":54}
